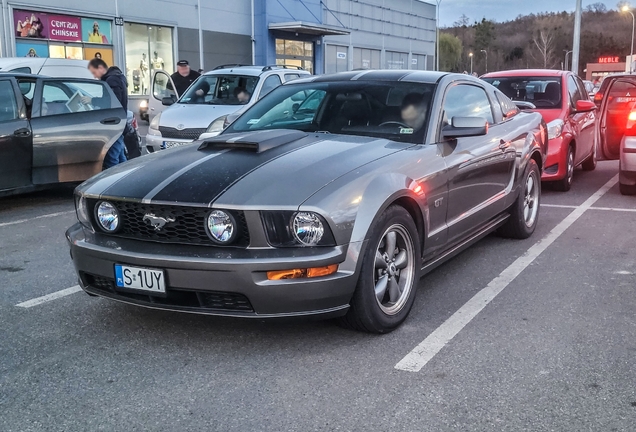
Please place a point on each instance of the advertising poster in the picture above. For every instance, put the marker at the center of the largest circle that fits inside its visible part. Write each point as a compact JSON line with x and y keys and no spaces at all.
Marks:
{"x":31,"y":49}
{"x":30,"y":24}
{"x":96,"y":31}
{"x":105,"y":54}
{"x":64,"y":28}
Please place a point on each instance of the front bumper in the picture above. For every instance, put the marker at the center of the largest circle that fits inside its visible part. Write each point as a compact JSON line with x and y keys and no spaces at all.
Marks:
{"x":628,"y":161}
{"x":555,"y":165}
{"x":218,"y":281}
{"x":155,"y":143}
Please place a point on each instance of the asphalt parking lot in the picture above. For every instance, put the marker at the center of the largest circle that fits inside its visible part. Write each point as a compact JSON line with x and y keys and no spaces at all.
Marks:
{"x":536,"y":335}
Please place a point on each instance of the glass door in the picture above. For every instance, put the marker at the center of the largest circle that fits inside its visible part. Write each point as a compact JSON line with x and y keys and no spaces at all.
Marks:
{"x":295,"y":53}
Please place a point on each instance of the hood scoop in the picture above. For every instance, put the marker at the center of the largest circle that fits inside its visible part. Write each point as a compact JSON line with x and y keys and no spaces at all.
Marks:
{"x":256,"y":142}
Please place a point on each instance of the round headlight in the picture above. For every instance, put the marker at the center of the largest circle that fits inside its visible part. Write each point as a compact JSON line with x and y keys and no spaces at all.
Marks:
{"x":221,"y":226}
{"x":107,"y":216}
{"x":308,"y":228}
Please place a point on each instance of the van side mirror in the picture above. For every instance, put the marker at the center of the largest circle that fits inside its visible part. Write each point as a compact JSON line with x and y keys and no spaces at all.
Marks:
{"x":167,"y":101}
{"x":461,"y":127}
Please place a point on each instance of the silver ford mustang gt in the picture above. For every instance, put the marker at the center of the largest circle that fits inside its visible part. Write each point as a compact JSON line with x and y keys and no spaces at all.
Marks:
{"x":331,"y":196}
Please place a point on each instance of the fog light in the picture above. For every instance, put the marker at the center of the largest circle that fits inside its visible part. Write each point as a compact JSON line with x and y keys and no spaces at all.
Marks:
{"x":313,"y":272}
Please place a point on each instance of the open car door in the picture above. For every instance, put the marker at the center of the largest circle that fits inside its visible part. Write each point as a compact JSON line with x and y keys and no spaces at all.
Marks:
{"x":162,"y":89}
{"x":74,"y":123}
{"x":15,"y":138}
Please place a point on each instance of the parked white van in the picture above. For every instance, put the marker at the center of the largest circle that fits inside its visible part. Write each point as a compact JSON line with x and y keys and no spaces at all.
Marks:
{"x":51,"y":67}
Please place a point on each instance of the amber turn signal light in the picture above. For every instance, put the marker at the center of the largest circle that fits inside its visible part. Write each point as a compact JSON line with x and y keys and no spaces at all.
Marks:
{"x":302,"y":273}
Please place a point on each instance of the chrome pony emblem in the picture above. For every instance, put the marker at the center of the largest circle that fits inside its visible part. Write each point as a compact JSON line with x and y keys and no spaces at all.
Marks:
{"x":158,"y":223}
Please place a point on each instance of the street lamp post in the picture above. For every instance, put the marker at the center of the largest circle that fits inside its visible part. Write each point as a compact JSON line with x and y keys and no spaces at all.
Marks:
{"x":567,"y":52}
{"x":471,"y":62}
{"x":486,"y":52}
{"x":628,"y":9}
{"x":439,"y":2}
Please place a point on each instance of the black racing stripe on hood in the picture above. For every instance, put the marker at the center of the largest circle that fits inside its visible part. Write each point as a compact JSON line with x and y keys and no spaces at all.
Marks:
{"x":139,"y":183}
{"x":207,"y":181}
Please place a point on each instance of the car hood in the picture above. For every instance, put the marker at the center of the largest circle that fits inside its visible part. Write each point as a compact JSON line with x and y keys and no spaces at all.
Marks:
{"x":190,"y":116}
{"x":260,"y":170}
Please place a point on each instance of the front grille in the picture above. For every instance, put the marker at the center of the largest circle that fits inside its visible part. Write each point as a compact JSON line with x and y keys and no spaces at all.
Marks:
{"x":225,"y":301}
{"x":189,"y":134}
{"x":189,"y":226}
{"x":202,"y":300}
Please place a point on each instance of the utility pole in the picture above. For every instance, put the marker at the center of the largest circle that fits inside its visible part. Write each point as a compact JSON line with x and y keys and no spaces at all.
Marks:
{"x":576,"y":45}
{"x":437,"y":36}
{"x":200,"y":37}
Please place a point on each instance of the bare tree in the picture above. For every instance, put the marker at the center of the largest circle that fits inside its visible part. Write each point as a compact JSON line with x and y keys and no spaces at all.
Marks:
{"x":544,"y":43}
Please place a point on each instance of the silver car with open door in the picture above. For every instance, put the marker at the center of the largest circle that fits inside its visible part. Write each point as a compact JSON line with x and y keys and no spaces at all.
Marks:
{"x":48,"y":135}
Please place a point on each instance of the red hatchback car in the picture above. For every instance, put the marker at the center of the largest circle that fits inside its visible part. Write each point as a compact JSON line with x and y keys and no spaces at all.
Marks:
{"x":563,"y":101}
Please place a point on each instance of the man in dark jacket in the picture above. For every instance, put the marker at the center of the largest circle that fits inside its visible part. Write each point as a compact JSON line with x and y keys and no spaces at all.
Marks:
{"x":183,"y":77}
{"x":116,"y":80}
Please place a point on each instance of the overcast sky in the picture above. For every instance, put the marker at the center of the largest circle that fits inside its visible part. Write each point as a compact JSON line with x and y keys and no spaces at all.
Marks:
{"x":505,"y":10}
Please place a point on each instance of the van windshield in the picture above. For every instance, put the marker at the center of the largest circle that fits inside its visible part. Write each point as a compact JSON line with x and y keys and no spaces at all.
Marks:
{"x":543,"y":92}
{"x":221,"y":90}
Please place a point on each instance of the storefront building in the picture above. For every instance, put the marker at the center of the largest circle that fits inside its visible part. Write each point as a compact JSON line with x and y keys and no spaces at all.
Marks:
{"x":322,"y":36}
{"x":606,"y":65}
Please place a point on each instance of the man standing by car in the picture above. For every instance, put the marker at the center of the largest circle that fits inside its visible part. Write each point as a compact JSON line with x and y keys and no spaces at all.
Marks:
{"x":183,"y":77}
{"x":116,"y":80}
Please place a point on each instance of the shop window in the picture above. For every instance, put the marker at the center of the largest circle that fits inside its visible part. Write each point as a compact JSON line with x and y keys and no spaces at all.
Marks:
{"x":295,"y":53}
{"x":148,"y":48}
{"x":366,"y":58}
{"x":336,"y":59}
{"x":396,"y":60}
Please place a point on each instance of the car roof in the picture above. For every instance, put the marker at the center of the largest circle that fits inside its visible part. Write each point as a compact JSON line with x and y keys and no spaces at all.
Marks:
{"x":429,"y":77}
{"x":254,"y":70}
{"x":621,"y":75}
{"x":20,"y":75}
{"x":526,"y":73}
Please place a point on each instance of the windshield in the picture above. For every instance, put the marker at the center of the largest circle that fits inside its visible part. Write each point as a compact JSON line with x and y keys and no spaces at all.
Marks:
{"x":393,"y":110}
{"x":543,"y":92}
{"x":221,"y":90}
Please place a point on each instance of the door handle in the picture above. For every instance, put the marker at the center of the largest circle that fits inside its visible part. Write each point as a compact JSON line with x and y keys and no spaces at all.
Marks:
{"x":23,"y":132}
{"x":503,"y":145}
{"x":111,"y":121}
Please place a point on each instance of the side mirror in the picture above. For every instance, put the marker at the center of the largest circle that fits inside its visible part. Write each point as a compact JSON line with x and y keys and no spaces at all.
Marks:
{"x":523,"y":105}
{"x":585,"y":106}
{"x":461,"y":127}
{"x":167,"y":101}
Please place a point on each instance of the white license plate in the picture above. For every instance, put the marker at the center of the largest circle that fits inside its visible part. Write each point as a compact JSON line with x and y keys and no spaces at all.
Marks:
{"x":171,"y":144}
{"x":140,"y":279}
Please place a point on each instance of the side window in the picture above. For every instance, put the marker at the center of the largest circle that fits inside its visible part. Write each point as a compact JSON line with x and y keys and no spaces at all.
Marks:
{"x":64,"y":97}
{"x":25,"y":70}
{"x":582,"y":89}
{"x":465,"y":100}
{"x":291,"y":77}
{"x":161,"y":86}
{"x":8,"y":103}
{"x":271,"y":82}
{"x":508,"y":107}
{"x":573,"y":90}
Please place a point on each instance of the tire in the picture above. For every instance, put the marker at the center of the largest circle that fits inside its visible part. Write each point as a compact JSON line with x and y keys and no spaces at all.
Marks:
{"x":385,"y":311}
{"x":627,"y":189}
{"x":524,"y":213}
{"x":590,"y":163}
{"x":565,"y":184}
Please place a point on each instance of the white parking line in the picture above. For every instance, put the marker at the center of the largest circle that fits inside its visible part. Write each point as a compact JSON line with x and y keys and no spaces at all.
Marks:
{"x":429,"y":347}
{"x":50,"y":215}
{"x":49,"y":297}
{"x":614,"y":209}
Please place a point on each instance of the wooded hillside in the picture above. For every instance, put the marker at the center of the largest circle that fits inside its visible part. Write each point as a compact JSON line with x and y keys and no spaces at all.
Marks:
{"x":537,"y":41}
